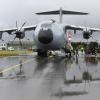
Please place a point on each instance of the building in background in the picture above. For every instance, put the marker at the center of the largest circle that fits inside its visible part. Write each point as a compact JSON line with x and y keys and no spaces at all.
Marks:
{"x":25,"y":45}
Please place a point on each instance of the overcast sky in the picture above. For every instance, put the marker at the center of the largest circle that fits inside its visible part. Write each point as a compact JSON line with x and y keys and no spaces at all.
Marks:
{"x":23,"y":10}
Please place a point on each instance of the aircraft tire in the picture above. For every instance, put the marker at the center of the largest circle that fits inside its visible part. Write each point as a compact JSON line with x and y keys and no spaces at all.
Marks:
{"x":42,"y":53}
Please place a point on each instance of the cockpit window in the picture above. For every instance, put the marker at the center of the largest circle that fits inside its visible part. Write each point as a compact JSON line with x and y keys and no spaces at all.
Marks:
{"x":46,"y":25}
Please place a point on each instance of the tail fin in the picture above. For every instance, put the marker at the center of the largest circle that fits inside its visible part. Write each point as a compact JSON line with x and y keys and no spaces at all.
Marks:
{"x":61,"y":12}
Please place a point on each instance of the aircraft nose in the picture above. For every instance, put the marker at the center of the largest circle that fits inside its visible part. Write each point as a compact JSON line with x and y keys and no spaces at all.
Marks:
{"x":45,"y":36}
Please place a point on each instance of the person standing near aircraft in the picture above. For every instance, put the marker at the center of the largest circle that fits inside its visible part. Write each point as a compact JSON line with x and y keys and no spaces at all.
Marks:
{"x":77,"y":52}
{"x":82,"y":50}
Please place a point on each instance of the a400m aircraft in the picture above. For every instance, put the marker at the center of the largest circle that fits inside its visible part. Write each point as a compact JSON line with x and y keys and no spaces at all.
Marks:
{"x":49,"y":35}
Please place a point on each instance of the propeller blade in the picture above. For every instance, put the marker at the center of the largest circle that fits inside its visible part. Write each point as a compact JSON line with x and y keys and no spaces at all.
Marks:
{"x":13,"y":40}
{"x":86,"y":29}
{"x":20,"y":43}
{"x":93,"y":38}
{"x":22,"y":26}
{"x":16,"y":25}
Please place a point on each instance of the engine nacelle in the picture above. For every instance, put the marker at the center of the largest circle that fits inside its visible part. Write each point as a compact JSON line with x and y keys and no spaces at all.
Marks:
{"x":87,"y":34}
{"x":20,"y":34}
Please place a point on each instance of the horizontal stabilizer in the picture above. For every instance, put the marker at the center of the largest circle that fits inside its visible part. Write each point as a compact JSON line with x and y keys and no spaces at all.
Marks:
{"x":63,"y":12}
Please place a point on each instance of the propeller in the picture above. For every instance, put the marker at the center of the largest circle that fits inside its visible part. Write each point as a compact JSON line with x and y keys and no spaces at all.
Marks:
{"x":20,"y":33}
{"x":16,"y":25}
{"x":87,"y":32}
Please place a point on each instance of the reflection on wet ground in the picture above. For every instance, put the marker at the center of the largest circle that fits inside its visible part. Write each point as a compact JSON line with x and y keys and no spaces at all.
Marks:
{"x":36,"y":78}
{"x":73,"y":93}
{"x":92,"y":61}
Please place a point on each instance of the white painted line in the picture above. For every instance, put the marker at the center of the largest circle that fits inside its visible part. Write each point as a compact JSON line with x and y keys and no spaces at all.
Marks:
{"x":15,"y":66}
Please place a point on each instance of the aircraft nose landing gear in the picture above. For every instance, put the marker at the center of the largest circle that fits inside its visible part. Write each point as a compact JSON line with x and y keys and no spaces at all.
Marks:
{"x":42,"y":53}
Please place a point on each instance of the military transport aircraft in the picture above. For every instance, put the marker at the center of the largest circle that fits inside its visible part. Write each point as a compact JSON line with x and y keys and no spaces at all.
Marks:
{"x":49,"y":35}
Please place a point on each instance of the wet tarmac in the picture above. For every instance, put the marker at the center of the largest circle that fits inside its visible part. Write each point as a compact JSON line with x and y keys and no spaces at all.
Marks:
{"x":45,"y":78}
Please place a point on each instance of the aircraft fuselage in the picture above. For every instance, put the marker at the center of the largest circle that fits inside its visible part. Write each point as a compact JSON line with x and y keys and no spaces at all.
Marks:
{"x":49,"y":36}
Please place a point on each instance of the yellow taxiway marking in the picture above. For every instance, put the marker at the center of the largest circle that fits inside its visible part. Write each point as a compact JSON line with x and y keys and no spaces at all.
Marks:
{"x":15,"y":66}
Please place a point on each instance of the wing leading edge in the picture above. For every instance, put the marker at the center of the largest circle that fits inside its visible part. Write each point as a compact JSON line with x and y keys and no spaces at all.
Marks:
{"x":9,"y":31}
{"x":80,"y":28}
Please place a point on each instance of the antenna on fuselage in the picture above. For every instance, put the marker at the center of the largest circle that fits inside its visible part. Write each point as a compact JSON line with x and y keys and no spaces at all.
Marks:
{"x":60,"y":12}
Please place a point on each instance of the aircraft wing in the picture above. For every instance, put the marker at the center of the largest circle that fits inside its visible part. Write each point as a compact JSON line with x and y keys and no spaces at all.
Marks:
{"x":73,"y":27}
{"x":95,"y":29}
{"x":9,"y":31}
{"x":90,"y":28}
{"x":29,"y":28}
{"x":80,"y":28}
